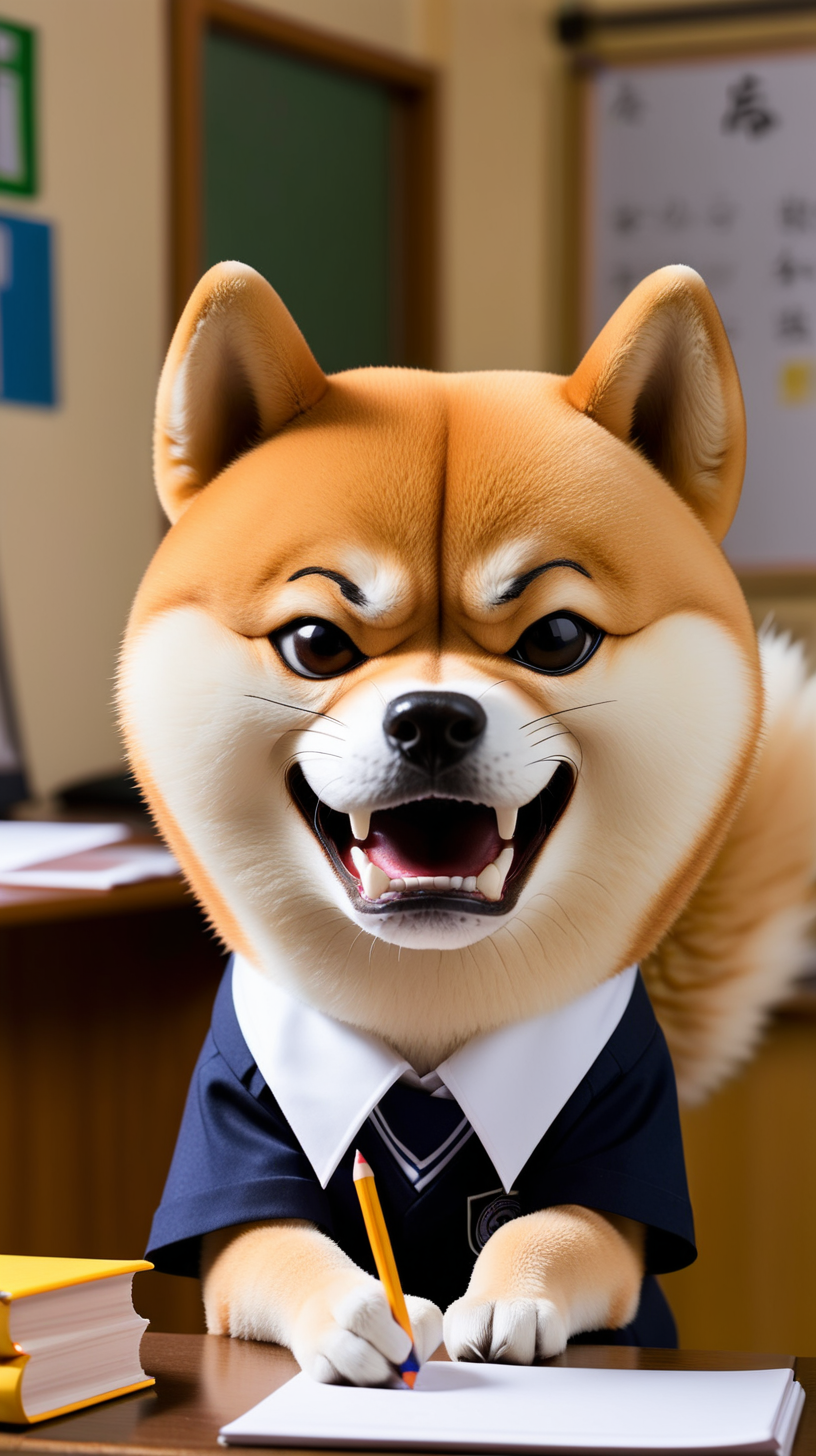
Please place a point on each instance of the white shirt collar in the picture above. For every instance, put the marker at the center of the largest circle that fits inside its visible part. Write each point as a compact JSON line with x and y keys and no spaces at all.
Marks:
{"x":511,"y":1084}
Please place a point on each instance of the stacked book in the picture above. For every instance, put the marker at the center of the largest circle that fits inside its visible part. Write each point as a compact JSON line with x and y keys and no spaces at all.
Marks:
{"x":69,"y":1335}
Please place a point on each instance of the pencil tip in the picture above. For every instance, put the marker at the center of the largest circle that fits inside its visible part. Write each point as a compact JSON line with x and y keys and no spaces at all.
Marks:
{"x":361,"y":1167}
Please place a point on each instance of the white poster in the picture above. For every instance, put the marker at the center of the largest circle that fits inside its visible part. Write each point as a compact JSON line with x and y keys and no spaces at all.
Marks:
{"x":713,"y":164}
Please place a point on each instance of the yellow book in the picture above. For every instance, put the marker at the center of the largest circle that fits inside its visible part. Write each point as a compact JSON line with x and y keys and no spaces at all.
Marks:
{"x":69,"y":1335}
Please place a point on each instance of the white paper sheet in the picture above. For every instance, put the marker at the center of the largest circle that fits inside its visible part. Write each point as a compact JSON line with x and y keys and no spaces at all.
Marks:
{"x":518,"y":1408}
{"x":28,"y":842}
{"x":97,"y":869}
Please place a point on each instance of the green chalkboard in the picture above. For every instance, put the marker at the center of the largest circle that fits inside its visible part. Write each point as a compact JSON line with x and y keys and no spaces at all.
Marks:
{"x":18,"y":152}
{"x":297,"y":182}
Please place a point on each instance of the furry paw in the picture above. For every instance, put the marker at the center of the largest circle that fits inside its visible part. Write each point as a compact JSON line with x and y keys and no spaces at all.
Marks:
{"x":426,"y":1323}
{"x":510,"y":1330}
{"x":349,"y":1336}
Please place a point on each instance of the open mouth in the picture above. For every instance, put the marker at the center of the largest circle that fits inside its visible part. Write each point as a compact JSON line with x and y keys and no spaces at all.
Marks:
{"x":430,"y":852}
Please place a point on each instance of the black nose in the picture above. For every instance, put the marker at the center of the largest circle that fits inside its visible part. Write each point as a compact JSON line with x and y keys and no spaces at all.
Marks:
{"x":434,"y":730}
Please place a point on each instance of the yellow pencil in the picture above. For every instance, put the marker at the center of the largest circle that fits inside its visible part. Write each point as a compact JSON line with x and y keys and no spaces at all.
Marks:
{"x":384,"y":1258}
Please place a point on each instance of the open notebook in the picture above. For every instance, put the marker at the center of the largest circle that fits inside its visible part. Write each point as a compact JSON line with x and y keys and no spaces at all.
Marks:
{"x":518,"y":1408}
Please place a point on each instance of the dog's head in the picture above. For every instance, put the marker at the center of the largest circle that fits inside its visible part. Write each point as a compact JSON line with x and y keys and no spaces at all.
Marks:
{"x":440,"y":685}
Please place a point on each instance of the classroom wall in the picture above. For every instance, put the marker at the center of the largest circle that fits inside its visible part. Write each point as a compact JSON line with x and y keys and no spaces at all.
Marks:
{"x":78,"y":520}
{"x":492,"y":56}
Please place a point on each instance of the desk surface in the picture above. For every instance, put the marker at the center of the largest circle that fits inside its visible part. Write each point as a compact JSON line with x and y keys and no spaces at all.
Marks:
{"x":203,"y":1381}
{"x":20,"y":906}
{"x":23,"y":906}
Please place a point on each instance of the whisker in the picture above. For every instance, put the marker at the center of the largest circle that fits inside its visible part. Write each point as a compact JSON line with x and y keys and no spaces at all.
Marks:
{"x":602,"y":703}
{"x":584,"y":876}
{"x":545,"y":915}
{"x":313,"y":712}
{"x":318,"y":913}
{"x":318,"y":753}
{"x":319,"y":798}
{"x":550,"y":736}
{"x":492,"y":686}
{"x":543,"y":895}
{"x":304,"y":753}
{"x":343,"y":928}
{"x":555,"y":758}
{"x":324,"y":733}
{"x":351,"y":948}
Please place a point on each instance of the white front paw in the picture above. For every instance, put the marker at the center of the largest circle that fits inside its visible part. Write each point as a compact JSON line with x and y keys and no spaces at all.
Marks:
{"x":426,"y":1323}
{"x":510,"y":1330}
{"x":353,"y":1338}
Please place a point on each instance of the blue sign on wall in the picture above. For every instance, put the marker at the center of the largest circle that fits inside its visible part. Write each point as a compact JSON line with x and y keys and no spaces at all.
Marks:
{"x":26,"y":312}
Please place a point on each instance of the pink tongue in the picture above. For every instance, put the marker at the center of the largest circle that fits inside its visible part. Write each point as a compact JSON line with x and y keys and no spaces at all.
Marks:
{"x":433,"y":837}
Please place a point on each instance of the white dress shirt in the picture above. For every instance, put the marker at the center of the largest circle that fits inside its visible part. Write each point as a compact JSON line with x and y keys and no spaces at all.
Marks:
{"x":511,"y":1084}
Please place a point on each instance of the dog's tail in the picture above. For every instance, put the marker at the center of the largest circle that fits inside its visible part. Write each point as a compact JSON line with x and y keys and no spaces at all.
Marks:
{"x":744,"y":937}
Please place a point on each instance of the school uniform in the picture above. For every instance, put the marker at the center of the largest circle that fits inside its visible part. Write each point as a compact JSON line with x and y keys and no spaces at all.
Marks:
{"x":578,"y":1106}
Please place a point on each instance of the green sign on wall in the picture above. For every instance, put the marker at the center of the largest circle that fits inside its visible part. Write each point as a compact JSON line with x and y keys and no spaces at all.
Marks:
{"x":18,"y":172}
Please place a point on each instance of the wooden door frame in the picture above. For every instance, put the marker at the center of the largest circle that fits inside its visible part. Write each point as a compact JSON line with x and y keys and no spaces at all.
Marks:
{"x":415,"y":86}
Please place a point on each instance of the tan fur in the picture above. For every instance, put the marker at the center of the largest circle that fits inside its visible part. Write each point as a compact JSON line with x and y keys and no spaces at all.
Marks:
{"x":573,"y":1269}
{"x":743,"y":938}
{"x":239,"y":359}
{"x":664,"y":364}
{"x":286,"y":1282}
{"x":688,"y":841}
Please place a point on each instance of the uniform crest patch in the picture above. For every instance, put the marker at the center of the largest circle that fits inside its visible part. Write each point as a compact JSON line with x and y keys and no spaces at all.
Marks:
{"x":487,"y":1212}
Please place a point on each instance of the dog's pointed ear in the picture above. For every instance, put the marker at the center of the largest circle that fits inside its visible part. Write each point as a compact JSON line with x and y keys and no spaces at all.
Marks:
{"x":238,"y":369}
{"x":661,"y":377}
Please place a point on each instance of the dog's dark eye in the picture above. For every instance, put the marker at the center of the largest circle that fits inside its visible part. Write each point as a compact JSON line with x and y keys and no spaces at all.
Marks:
{"x":560,"y":642}
{"x":315,"y":648}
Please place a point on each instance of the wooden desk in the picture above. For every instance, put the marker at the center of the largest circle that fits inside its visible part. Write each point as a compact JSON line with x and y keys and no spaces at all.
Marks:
{"x":34,"y":907}
{"x":105,"y":1000}
{"x":203,"y":1381}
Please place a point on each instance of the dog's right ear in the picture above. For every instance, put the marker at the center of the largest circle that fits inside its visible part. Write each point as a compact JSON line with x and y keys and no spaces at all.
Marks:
{"x":238,"y":369}
{"x":661,"y":377}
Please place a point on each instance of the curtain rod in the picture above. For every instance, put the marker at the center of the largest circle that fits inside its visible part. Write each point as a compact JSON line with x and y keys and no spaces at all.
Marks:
{"x":576,"y":23}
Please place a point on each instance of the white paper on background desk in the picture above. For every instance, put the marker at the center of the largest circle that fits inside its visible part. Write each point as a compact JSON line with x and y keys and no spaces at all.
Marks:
{"x":97,"y":869}
{"x":29,"y":841}
{"x":519,"y":1408}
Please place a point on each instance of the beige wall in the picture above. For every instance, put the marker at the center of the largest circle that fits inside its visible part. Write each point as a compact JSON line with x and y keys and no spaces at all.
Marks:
{"x":78,"y":521}
{"x":493,"y":198}
{"x":494,"y":62}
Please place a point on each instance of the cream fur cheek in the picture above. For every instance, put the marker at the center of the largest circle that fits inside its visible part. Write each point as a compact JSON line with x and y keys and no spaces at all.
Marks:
{"x":205,"y":708}
{"x":658,"y":752}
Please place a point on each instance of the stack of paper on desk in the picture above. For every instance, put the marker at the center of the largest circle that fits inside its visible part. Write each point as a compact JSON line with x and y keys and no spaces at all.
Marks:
{"x":29,"y":841}
{"x":517,"y":1408}
{"x":66,"y":856}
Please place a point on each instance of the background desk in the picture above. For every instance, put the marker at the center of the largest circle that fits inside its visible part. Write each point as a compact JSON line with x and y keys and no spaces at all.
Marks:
{"x":104,"y":1002}
{"x":203,"y":1381}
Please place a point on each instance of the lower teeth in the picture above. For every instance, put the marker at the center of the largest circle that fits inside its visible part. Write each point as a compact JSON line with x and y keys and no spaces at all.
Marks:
{"x":490,"y":882}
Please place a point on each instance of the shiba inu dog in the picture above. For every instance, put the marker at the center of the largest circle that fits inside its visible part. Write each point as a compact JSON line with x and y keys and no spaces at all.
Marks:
{"x":448,"y":701}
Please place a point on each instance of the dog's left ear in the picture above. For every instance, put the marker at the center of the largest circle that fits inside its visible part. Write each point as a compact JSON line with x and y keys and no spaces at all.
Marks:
{"x":238,"y":370}
{"x":661,"y":377}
